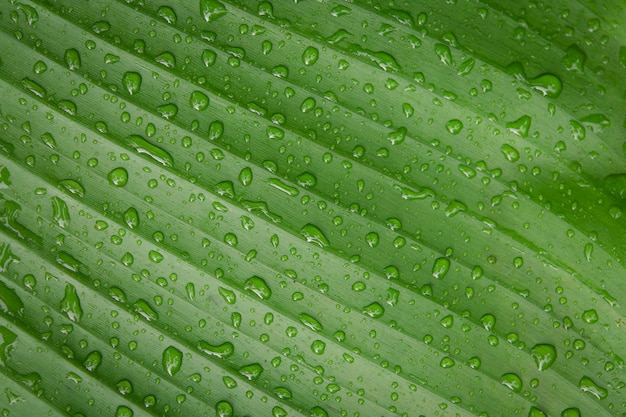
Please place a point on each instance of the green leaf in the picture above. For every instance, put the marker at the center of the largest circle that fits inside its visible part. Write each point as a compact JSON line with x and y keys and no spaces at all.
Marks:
{"x":312,"y":208}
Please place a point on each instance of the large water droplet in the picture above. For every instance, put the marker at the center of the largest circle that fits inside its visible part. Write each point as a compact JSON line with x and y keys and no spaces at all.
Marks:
{"x":132,"y":82}
{"x":172,"y":360}
{"x":544,"y":355}
{"x":211,"y":10}
{"x":441,"y":267}
{"x":259,"y":287}
{"x":314,"y":235}
{"x":586,"y":384}
{"x":70,"y":304}
{"x":118,"y":177}
{"x":222,"y":351}
{"x":511,"y":381}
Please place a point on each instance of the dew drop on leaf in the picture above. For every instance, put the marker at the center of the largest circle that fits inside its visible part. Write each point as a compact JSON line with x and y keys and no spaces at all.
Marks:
{"x":118,"y":177}
{"x":172,"y":360}
{"x":132,"y":82}
{"x":511,"y":381}
{"x":441,"y":267}
{"x":544,"y":356}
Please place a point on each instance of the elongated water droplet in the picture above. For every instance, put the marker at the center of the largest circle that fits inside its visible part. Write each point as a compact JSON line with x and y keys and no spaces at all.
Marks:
{"x":548,"y":85}
{"x":144,"y":147}
{"x":314,"y":235}
{"x":70,"y":304}
{"x":586,"y":384}
{"x":374,"y":310}
{"x":310,"y":322}
{"x":520,"y":126}
{"x":60,"y":212}
{"x":222,"y":351}
{"x":251,"y":372}
{"x":259,"y":287}
{"x":281,"y":186}
{"x":510,"y":153}
{"x":211,"y":10}
{"x":444,"y":53}
{"x":142,"y":308}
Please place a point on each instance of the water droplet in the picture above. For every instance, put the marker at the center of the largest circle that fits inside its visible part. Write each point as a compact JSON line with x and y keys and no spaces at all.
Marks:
{"x":466,"y":67}
{"x":222,"y":351}
{"x":60,"y":212}
{"x":590,"y":316}
{"x":144,"y":147}
{"x":72,"y":59}
{"x":510,"y":153}
{"x":231,"y":239}
{"x":454,"y":126}
{"x":310,"y":55}
{"x":30,"y":13}
{"x":318,"y":411}
{"x":384,"y":60}
{"x":49,"y":140}
{"x":228,"y":295}
{"x":511,"y":381}
{"x":441,"y":267}
{"x":118,"y":177}
{"x":211,"y":10}
{"x":167,"y":59}
{"x":586,"y":384}
{"x":578,"y":130}
{"x":447,"y":362}
{"x":131,"y":82}
{"x":283,"y":393}
{"x":374,"y":310}
{"x":306,"y":180}
{"x":40,"y":67}
{"x":447,"y":322}
{"x":444,"y":53}
{"x":224,"y":409}
{"x":10,"y":302}
{"x":314,"y":235}
{"x":216,"y":130}
{"x":547,"y":84}
{"x":259,"y":287}
{"x":34,"y":87}
{"x":123,"y":411}
{"x":142,"y":308}
{"x":198,"y":100}
{"x":574,"y":59}
{"x":310,"y":322}
{"x":93,"y":361}
{"x":168,"y":14}
{"x":488,"y":321}
{"x":131,"y":218}
{"x":252,"y":372}
{"x":167,"y":111}
{"x":172,"y":360}
{"x":520,"y":126}
{"x":398,"y":136}
{"x":208,"y":57}
{"x":571,"y":412}
{"x":68,"y":107}
{"x":155,"y":256}
{"x":318,"y":347}
{"x":372,"y":239}
{"x":535,"y":412}
{"x":455,"y":207}
{"x":596,"y":122}
{"x":588,"y":251}
{"x":70,"y":304}
{"x":544,"y":356}
{"x":245,"y":176}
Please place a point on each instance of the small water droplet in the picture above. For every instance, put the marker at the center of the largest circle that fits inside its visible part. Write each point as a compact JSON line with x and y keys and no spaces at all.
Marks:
{"x":222,"y":351}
